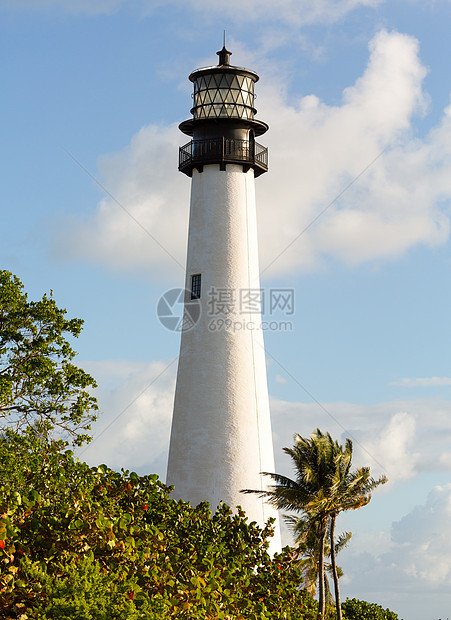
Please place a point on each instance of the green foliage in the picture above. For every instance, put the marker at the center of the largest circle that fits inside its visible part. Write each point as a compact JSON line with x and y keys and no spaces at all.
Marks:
{"x":40,"y":387}
{"x":82,"y":590}
{"x":82,"y":543}
{"x":354,"y":609}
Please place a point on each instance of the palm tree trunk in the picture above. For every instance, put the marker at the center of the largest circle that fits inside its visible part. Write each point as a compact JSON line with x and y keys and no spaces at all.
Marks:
{"x":334,"y":566}
{"x":321,"y":573}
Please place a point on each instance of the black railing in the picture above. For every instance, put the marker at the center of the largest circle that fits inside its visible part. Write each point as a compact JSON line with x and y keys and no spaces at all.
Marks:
{"x":223,"y":150}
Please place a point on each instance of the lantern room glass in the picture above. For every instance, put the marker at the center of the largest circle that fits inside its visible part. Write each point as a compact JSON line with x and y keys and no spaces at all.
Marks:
{"x":227,"y":95}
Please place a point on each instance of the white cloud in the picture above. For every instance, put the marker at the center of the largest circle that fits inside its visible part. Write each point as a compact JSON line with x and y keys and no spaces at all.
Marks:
{"x":396,"y":438}
{"x":135,"y":400}
{"x":392,"y":447}
{"x":422,"y":382}
{"x":293,"y":12}
{"x":411,"y":570}
{"x":445,"y":459}
{"x":399,"y":438}
{"x":144,"y":221}
{"x":280,"y":379}
{"x":316,"y":151}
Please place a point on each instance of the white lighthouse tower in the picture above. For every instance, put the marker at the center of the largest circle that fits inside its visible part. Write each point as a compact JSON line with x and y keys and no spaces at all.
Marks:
{"x":221,"y":430}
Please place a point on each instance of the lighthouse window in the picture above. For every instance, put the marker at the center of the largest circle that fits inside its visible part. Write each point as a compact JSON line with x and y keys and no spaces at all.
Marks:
{"x":195,"y":286}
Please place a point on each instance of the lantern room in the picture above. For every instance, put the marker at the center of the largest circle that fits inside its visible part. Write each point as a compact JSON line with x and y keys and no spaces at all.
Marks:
{"x":223,"y":124}
{"x":219,"y":95}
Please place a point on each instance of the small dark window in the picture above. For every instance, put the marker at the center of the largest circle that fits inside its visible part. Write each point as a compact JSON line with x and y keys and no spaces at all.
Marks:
{"x":195,"y":286}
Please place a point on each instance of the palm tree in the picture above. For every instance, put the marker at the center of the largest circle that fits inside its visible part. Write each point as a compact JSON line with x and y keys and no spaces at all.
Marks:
{"x":306,"y":552}
{"x":351,"y":490}
{"x":307,"y":493}
{"x":323,"y":487}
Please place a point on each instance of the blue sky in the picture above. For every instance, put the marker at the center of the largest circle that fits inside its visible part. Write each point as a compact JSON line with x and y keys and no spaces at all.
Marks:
{"x":357,"y":95}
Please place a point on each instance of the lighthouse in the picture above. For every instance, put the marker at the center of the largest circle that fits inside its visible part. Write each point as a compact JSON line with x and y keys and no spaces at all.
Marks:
{"x":221,"y":437}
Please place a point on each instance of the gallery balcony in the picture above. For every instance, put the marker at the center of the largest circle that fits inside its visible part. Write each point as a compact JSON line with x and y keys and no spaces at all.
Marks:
{"x":222,"y":151}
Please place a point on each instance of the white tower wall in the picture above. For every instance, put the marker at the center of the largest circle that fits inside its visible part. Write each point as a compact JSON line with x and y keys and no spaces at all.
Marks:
{"x":221,"y":431}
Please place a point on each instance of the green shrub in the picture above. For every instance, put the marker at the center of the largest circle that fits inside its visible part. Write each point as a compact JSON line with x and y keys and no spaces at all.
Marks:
{"x":81,"y":590}
{"x":80,"y":542}
{"x":354,"y":609}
